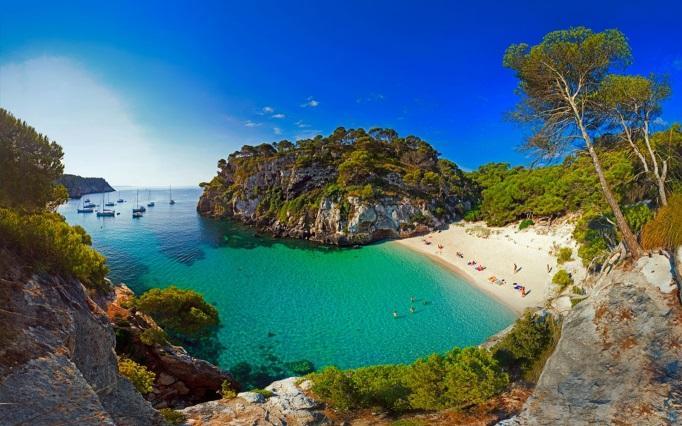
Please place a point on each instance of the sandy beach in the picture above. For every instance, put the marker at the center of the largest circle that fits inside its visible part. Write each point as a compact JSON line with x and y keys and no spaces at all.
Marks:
{"x":498,"y":249}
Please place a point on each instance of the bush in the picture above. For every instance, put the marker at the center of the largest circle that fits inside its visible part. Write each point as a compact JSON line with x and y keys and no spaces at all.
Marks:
{"x":226,"y":390}
{"x":525,"y":349}
{"x":457,"y":379}
{"x":172,"y":417}
{"x":49,"y":243}
{"x":139,"y":375}
{"x":564,"y":255}
{"x":153,"y":336}
{"x":665,"y":230}
{"x":525,"y":224}
{"x":563,"y":279}
{"x":301,"y":367}
{"x":266,"y":393}
{"x":178,"y":311}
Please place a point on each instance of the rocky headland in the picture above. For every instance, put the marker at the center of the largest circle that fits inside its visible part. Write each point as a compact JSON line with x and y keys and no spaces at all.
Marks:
{"x":352,"y":187}
{"x":78,"y":186}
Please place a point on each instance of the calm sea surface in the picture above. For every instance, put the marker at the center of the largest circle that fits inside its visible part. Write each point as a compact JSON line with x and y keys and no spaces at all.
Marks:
{"x":285,"y":301}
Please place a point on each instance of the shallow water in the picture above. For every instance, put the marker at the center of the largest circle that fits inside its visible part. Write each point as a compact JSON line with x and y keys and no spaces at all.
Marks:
{"x":283,"y":301}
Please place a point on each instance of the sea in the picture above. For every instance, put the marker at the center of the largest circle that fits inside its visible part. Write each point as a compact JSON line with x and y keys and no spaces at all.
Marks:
{"x":288,"y":305}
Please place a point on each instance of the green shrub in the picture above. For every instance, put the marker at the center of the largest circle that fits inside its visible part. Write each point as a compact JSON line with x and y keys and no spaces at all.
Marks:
{"x":525,"y":223}
{"x":266,"y":393}
{"x":563,"y":279}
{"x":525,"y":349}
{"x":153,"y":336}
{"x":564,"y":255}
{"x":49,"y":243}
{"x":226,"y":390}
{"x":456,"y":379}
{"x":139,"y":375}
{"x":179,"y":311}
{"x":172,"y":417}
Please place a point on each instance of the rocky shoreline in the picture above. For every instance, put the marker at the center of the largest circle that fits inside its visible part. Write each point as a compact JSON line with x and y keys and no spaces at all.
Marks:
{"x":78,"y":186}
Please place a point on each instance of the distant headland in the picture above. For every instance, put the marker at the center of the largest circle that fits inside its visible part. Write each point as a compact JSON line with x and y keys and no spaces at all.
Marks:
{"x":77,"y":186}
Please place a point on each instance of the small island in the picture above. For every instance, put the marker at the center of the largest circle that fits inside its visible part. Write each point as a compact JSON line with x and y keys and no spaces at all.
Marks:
{"x":351,"y":187}
{"x":77,"y":186}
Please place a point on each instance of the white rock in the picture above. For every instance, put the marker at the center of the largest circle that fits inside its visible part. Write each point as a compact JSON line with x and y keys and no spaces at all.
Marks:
{"x":656,"y":270}
{"x":252,"y":397}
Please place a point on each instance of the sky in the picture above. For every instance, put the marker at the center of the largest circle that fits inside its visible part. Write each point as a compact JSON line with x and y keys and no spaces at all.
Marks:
{"x":153,"y":93}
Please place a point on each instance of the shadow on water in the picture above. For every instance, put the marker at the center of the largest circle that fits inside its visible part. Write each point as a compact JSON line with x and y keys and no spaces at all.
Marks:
{"x":251,"y":376}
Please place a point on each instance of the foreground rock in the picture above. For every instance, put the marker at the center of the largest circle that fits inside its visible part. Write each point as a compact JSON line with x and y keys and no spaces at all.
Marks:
{"x":619,"y":359}
{"x":288,"y":405}
{"x":78,"y":186}
{"x":181,"y":380}
{"x":57,"y":359}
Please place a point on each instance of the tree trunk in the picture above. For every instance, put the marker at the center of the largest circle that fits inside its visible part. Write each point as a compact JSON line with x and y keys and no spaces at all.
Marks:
{"x":628,"y":236}
{"x":660,"y":180}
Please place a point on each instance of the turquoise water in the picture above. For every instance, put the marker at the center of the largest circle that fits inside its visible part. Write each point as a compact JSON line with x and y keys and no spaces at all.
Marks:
{"x":283,"y":301}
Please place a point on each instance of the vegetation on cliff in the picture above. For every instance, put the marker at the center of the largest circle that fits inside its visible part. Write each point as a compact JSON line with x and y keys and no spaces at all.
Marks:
{"x":285,"y":183}
{"x":30,"y":164}
{"x":458,"y":379}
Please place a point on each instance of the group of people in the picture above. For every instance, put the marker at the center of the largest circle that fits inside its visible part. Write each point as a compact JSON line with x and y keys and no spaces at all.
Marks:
{"x":494,"y":280}
{"x":476,"y":266}
{"x":413,"y":300}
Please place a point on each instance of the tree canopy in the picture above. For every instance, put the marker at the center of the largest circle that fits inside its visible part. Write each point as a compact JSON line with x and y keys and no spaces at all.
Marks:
{"x":29,"y":166}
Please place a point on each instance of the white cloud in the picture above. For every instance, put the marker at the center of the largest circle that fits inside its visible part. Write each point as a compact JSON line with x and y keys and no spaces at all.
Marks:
{"x":277,"y":130}
{"x":249,"y":123}
{"x":278,"y":115}
{"x":310,"y":102}
{"x":91,"y":121}
{"x":659,"y":121}
{"x":373,"y":97}
{"x":301,"y":125}
{"x":268,"y":110}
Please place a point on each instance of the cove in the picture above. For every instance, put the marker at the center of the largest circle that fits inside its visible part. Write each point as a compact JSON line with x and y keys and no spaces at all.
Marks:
{"x":285,"y":301}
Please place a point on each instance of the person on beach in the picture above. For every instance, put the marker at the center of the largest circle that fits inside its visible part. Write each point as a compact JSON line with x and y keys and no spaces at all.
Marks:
{"x":549,"y":268}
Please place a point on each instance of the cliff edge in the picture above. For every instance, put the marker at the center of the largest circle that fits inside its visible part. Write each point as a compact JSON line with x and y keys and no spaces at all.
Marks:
{"x":619,"y":357}
{"x":57,"y":359}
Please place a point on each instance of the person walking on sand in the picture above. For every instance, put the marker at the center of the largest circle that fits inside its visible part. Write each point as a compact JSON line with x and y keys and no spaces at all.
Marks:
{"x":515,"y":268}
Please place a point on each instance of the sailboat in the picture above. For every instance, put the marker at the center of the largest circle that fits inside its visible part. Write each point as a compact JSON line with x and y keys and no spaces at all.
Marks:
{"x":149,"y":196}
{"x":138,"y":208}
{"x":109,"y":203}
{"x":120,"y":200}
{"x":172,"y":201}
{"x":105,"y":212}
{"x":85,"y":209}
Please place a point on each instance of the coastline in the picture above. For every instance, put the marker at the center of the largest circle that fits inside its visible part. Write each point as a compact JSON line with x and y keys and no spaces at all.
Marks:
{"x":498,"y":249}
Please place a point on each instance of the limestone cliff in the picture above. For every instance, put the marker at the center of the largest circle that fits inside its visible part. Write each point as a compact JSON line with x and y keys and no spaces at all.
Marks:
{"x":619,"y":357}
{"x":78,"y":186}
{"x":351,"y":187}
{"x":57,"y":359}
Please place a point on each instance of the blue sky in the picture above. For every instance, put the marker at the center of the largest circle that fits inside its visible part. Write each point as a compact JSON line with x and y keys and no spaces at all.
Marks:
{"x":152,"y":93}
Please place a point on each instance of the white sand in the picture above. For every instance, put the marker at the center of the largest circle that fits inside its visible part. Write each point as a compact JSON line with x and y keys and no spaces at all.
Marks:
{"x":531,"y":250}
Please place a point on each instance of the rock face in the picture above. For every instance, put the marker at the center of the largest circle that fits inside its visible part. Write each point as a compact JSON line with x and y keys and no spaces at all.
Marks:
{"x":619,"y":359}
{"x":288,"y":405}
{"x":57,"y":360}
{"x":181,"y":380}
{"x":276,"y":193}
{"x":78,"y":186}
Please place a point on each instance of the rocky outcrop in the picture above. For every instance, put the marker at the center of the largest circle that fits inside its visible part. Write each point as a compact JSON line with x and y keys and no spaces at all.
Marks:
{"x":57,"y":359}
{"x":78,"y":186}
{"x":181,"y":380}
{"x":619,"y":357}
{"x":276,"y":195}
{"x":288,"y":405}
